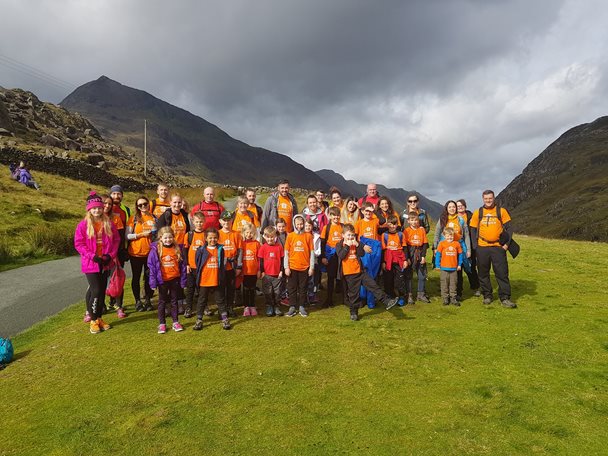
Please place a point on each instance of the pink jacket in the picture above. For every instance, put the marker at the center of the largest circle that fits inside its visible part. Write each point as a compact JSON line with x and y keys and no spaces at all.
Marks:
{"x":87,"y":247}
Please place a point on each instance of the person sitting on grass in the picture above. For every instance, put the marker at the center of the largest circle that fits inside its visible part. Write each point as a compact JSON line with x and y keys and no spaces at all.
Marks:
{"x":168,"y":274}
{"x":349,"y":252}
{"x":448,"y":258}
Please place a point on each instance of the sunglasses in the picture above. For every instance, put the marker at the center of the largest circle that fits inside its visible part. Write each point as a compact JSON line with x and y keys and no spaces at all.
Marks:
{"x":143,"y":204}
{"x":412,"y":201}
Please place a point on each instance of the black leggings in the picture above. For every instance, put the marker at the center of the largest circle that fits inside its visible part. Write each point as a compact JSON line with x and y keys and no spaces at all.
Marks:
{"x":137,"y":265}
{"x":98,"y":281}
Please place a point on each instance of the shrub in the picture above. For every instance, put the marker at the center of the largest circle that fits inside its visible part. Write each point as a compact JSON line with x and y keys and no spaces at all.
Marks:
{"x":44,"y":240}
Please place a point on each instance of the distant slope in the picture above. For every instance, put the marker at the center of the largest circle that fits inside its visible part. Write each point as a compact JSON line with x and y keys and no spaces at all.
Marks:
{"x":186,"y":143}
{"x":563,"y":191}
{"x":397,"y":195}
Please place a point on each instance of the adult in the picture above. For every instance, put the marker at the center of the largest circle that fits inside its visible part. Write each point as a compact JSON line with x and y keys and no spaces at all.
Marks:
{"x":96,"y":240}
{"x":140,"y":232}
{"x":243,"y":216}
{"x":280,"y":204}
{"x":491,"y":234}
{"x":350,"y":212}
{"x":210,"y":208}
{"x":23,"y":176}
{"x":315,"y":214}
{"x":412,"y":206}
{"x":450,"y":218}
{"x":252,"y":206}
{"x":162,"y":203}
{"x":371,"y":196}
{"x":124,"y":213}
{"x":461,"y":208}
{"x":335,"y":195}
{"x":176,"y":218}
{"x":324,"y":205}
{"x":384,"y":210}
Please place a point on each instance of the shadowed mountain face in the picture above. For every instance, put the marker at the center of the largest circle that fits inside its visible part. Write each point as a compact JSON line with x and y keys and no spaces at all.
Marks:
{"x":563,"y":191}
{"x":186,"y":143}
{"x":398,"y":196}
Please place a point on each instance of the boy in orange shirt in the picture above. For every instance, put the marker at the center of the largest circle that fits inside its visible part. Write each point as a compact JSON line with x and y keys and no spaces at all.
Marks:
{"x":210,"y":275}
{"x":448,"y":258}
{"x":369,"y":224}
{"x":232,"y":243}
{"x":417,"y":245}
{"x":194,"y":239}
{"x":299,"y":266}
{"x":394,"y":260}
{"x":349,"y":252}
{"x":330,"y":236}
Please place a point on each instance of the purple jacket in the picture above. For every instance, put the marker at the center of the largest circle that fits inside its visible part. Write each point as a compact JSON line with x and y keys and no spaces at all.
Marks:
{"x":156,"y":275}
{"x":87,"y":247}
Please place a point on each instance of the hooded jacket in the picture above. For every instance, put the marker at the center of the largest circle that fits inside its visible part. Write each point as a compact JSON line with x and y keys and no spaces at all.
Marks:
{"x":156,"y":275}
{"x":87,"y":247}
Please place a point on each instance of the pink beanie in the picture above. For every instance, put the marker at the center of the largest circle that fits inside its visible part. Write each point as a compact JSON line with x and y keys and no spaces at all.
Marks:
{"x":94,"y":200}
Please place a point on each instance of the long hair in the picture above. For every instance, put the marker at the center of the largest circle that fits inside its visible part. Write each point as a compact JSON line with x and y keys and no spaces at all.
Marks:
{"x":106,"y":224}
{"x":443,"y":218}
{"x":159,"y":245}
{"x":349,"y":217}
{"x":390,"y":211}
{"x":137,"y":216}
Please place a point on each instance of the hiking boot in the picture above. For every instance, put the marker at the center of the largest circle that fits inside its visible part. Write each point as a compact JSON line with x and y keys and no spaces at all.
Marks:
{"x":187,"y":313}
{"x":458,"y":298}
{"x":94,"y":327}
{"x":487,"y":300}
{"x":87,"y":317}
{"x":508,"y":303}
{"x":198,"y":325}
{"x":247,"y":312}
{"x":162,"y":329}
{"x":391,"y":303}
{"x":148,"y":305}
{"x":231,"y":312}
{"x":277,"y":311}
{"x":303,"y":312}
{"x":292,"y":311}
{"x":253,"y":311}
{"x":139,"y":306}
{"x":120,"y":313}
{"x":410,"y":299}
{"x":313,"y":298}
{"x":270,"y":311}
{"x":477,"y":293}
{"x":455,"y":301}
{"x":354,"y":316}
{"x":177,"y":327}
{"x":446,"y":301}
{"x":207,"y":312}
{"x":423,"y":297}
{"x":226,"y":324}
{"x":103,"y":325}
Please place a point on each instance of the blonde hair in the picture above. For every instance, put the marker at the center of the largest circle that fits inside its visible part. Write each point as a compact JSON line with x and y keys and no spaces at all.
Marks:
{"x":159,"y":245}
{"x":448,"y":231}
{"x":249,"y":227}
{"x":106,"y":225}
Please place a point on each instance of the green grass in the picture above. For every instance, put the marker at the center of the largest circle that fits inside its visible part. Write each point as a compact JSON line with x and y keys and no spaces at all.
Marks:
{"x":424,"y":380}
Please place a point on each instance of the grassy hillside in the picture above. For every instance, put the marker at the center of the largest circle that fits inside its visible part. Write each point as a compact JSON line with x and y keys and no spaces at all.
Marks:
{"x":421,"y":380}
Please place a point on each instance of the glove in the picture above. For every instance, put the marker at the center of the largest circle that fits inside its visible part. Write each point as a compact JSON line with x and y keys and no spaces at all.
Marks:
{"x":123,"y":256}
{"x":98,"y":260}
{"x":107,"y":259}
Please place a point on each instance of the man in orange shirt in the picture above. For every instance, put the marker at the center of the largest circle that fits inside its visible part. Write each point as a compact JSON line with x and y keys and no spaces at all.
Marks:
{"x":491,"y":235}
{"x":280,"y":204}
{"x":253,"y":207}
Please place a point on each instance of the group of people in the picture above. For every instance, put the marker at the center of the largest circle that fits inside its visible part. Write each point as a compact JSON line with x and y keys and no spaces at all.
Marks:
{"x":368,"y":252}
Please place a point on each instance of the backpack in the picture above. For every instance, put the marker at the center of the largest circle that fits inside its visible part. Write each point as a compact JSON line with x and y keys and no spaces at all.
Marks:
{"x":117,"y":282}
{"x":6,"y":351}
{"x":399,"y":234}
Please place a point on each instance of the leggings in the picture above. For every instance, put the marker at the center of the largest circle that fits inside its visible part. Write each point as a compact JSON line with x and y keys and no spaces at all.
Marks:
{"x":137,"y":265}
{"x":249,"y":282}
{"x":98,"y":281}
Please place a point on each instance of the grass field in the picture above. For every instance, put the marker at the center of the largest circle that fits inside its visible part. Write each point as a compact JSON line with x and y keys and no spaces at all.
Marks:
{"x":421,"y":380}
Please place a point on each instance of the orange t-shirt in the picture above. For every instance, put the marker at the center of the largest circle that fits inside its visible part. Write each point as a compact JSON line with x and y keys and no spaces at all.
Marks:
{"x":232,"y":242}
{"x":240,"y":219}
{"x":98,"y":227}
{"x":386,"y":215}
{"x":367,"y":228}
{"x":285,"y":211}
{"x":178,"y":225}
{"x":141,"y":247}
{"x":254,"y":209}
{"x":415,"y":237}
{"x":490,"y":227}
{"x":198,"y":239}
{"x":454,"y":223}
{"x":449,"y":254}
{"x":169,"y":264}
{"x":210,"y":275}
{"x":392,"y":241}
{"x":299,"y":246}
{"x":116,"y":220}
{"x":350,"y":264}
{"x":335,"y":234}
{"x":160,"y":207}
{"x":251,"y":264}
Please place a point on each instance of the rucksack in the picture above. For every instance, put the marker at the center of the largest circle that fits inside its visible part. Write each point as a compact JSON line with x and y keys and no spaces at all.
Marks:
{"x":6,"y":351}
{"x":117,"y":282}
{"x":399,"y":235}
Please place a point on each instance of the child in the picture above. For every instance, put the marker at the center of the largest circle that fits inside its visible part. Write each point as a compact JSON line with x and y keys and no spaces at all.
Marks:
{"x":349,"y":252}
{"x":210,"y":275}
{"x":232,"y":243}
{"x":251,"y":268}
{"x":313,"y":283}
{"x":330,"y":236}
{"x":366,"y":230}
{"x":242,"y":215}
{"x":271,"y":269}
{"x":194,"y":240}
{"x":368,"y":226}
{"x":448,"y":258}
{"x":281,"y":227}
{"x":168,"y":273}
{"x":298,"y":261}
{"x":394,"y":260}
{"x":96,"y":239}
{"x":417,"y":245}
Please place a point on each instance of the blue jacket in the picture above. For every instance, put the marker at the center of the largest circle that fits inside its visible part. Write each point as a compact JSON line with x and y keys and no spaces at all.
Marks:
{"x":156,"y":275}
{"x":202,"y":254}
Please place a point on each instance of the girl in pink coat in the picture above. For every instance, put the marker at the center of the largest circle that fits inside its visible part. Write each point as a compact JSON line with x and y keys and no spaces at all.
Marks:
{"x":96,"y":240}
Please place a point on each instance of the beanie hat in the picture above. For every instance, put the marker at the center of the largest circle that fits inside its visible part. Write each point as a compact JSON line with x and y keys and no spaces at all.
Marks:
{"x":94,"y":200}
{"x":116,"y":188}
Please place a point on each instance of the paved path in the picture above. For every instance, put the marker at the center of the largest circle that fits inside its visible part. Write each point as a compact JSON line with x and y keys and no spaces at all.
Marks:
{"x":32,"y":293}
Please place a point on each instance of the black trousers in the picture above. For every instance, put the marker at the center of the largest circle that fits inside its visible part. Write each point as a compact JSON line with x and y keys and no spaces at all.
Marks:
{"x":353,"y":283}
{"x":472,"y":276}
{"x":394,"y":277}
{"x":139,"y":264}
{"x":98,"y":281}
{"x":203,"y":299}
{"x":297,"y":286}
{"x":496,"y":257}
{"x":191,"y":290}
{"x":332,"y":273}
{"x":249,"y":282}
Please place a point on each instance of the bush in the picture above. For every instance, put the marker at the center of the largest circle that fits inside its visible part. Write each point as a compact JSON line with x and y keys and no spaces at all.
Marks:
{"x":44,"y":240}
{"x":6,"y":253}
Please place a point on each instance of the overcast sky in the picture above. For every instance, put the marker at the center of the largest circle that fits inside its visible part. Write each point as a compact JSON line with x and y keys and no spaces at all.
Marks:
{"x":446,"y":97}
